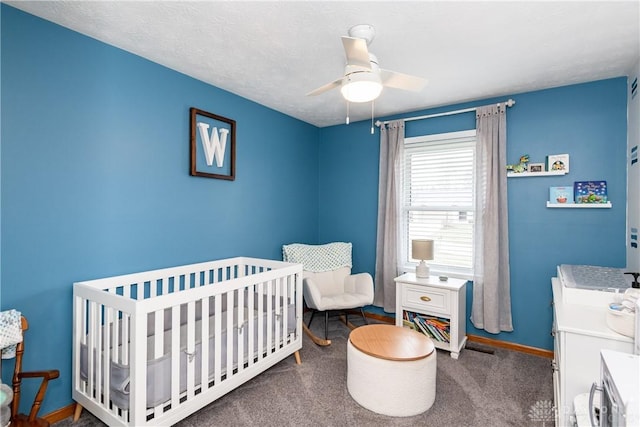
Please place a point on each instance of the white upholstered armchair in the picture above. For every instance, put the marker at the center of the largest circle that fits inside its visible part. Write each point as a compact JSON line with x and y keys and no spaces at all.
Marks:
{"x":328,"y":283}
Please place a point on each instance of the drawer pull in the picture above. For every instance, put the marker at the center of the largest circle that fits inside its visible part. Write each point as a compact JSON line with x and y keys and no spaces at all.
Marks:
{"x":425,"y":298}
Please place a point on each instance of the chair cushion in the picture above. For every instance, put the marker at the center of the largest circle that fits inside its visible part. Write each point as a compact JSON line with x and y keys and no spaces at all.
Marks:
{"x":342,"y":301}
{"x":329,"y":282}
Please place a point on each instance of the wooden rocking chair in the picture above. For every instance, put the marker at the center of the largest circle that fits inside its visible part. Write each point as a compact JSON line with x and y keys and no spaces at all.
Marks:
{"x":31,"y":419}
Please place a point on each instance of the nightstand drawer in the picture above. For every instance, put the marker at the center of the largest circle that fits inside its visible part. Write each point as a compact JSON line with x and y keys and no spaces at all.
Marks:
{"x":425,"y":298}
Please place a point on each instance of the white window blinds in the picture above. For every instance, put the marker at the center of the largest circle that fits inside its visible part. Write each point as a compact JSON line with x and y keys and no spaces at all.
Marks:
{"x":438,"y":198}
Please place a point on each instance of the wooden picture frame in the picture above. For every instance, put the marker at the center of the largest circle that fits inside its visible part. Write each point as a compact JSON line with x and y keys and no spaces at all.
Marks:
{"x":213,"y":145}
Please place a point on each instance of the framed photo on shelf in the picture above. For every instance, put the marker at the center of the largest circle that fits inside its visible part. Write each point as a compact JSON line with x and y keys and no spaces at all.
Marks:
{"x":558,"y":162}
{"x":536,"y":167}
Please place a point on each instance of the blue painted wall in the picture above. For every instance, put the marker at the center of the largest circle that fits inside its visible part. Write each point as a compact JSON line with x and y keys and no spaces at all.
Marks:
{"x":95,"y":178}
{"x":587,"y":121}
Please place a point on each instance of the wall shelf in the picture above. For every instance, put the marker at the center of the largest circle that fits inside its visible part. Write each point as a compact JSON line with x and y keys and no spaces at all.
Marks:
{"x":579,"y":205}
{"x":532,"y":174}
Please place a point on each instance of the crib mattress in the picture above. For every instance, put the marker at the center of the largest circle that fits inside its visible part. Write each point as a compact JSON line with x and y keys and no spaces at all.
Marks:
{"x":159,"y":374}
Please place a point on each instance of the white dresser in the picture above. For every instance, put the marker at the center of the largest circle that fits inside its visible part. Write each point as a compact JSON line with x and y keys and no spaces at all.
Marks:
{"x":443,"y":302}
{"x":580,"y":332}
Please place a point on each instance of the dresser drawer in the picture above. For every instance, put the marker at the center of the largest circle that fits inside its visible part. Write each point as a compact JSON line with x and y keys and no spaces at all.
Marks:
{"x":424,"y":298}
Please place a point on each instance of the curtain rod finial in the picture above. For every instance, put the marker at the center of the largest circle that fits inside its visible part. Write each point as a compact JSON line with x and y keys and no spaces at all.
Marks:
{"x":378,"y":123}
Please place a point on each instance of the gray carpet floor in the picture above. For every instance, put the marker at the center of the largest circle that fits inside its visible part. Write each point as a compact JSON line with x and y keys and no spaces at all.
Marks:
{"x":505,"y":388}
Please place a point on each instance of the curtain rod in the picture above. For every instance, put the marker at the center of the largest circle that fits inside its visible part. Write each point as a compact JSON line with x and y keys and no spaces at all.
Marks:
{"x":510,"y":103}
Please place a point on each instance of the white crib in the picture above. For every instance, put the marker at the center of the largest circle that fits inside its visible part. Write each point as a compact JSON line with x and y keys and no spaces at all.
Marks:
{"x":151,"y":348}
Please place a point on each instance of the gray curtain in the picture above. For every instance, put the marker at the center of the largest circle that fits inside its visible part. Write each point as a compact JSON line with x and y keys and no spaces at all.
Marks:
{"x":491,"y":309}
{"x":389,"y":219}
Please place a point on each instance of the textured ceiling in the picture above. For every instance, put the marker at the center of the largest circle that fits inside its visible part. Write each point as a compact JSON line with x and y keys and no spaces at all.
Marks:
{"x":275,"y":52}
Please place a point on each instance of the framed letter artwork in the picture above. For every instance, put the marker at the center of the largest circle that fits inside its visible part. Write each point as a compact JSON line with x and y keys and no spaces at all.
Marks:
{"x":213,"y":145}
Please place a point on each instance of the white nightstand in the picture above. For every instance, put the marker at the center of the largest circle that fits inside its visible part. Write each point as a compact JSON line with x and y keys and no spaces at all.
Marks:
{"x":434,"y":307}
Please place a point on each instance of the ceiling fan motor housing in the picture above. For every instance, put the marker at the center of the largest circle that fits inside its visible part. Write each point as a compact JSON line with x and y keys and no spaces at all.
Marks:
{"x":363,"y":31}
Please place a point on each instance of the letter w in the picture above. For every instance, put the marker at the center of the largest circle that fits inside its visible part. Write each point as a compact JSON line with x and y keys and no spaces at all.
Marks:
{"x":214,"y":145}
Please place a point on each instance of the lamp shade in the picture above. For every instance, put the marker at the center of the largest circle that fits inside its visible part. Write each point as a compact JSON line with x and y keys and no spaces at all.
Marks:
{"x":361,"y":87}
{"x":422,"y":249}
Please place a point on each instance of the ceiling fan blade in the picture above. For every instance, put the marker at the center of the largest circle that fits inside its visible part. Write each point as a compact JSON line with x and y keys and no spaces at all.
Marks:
{"x":326,"y":87}
{"x":402,"y":81}
{"x":356,"y":51}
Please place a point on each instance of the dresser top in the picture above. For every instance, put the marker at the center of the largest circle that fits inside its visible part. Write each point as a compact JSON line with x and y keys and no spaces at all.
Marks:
{"x":582,"y":319}
{"x":433,"y":281}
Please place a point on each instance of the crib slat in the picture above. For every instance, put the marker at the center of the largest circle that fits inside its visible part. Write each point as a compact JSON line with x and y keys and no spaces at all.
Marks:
{"x":191,"y":348}
{"x":261,"y":349}
{"x":175,"y":355}
{"x":242,"y":331}
{"x":204,"y":345}
{"x":82,"y":330}
{"x":251,"y":330}
{"x":107,"y":331}
{"x":230,"y":334}
{"x":278,"y":313}
{"x":217,"y":360}
{"x":269,"y":344}
{"x":97,"y":348}
{"x":115,"y":344}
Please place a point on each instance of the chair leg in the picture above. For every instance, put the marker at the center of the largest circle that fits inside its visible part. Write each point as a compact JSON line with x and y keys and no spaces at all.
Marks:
{"x":326,"y":325}
{"x":312,"y":314}
{"x":363,"y":316}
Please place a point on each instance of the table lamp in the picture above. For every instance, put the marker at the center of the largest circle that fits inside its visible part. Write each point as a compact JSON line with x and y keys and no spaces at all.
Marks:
{"x":422,"y":249}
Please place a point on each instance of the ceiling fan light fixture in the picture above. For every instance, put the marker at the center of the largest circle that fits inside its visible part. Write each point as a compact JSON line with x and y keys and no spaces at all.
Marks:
{"x":361,"y":87}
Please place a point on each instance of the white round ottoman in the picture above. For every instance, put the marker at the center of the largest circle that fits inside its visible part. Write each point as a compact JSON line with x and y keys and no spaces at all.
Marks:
{"x":391,"y":370}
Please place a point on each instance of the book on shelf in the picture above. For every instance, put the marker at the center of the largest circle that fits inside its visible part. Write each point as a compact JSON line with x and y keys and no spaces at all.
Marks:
{"x":590,"y":191}
{"x":421,"y":326}
{"x":408,"y":324}
{"x":561,"y":195}
{"x":435,"y":332}
{"x":434,"y":327}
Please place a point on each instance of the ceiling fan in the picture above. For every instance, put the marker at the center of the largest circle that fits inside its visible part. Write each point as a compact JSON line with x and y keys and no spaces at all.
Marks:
{"x":363,"y":79}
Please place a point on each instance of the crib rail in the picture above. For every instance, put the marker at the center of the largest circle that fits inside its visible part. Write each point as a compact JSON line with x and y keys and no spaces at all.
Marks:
{"x":154,"y":347}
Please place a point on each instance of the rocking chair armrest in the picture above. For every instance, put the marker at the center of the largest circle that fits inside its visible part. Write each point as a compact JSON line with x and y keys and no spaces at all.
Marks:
{"x":47,"y":375}
{"x":312,"y":294}
{"x":50,"y":374}
{"x":361,"y":283}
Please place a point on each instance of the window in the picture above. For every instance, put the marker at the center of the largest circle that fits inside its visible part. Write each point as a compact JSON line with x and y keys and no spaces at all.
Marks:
{"x":438,"y":200}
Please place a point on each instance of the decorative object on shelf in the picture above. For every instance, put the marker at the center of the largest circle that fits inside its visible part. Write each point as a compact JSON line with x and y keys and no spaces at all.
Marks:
{"x":558,"y":162}
{"x":561,"y":195}
{"x":422,"y":249}
{"x":536,"y":167}
{"x":590,"y":191}
{"x":520,"y":167}
{"x":209,"y":134}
